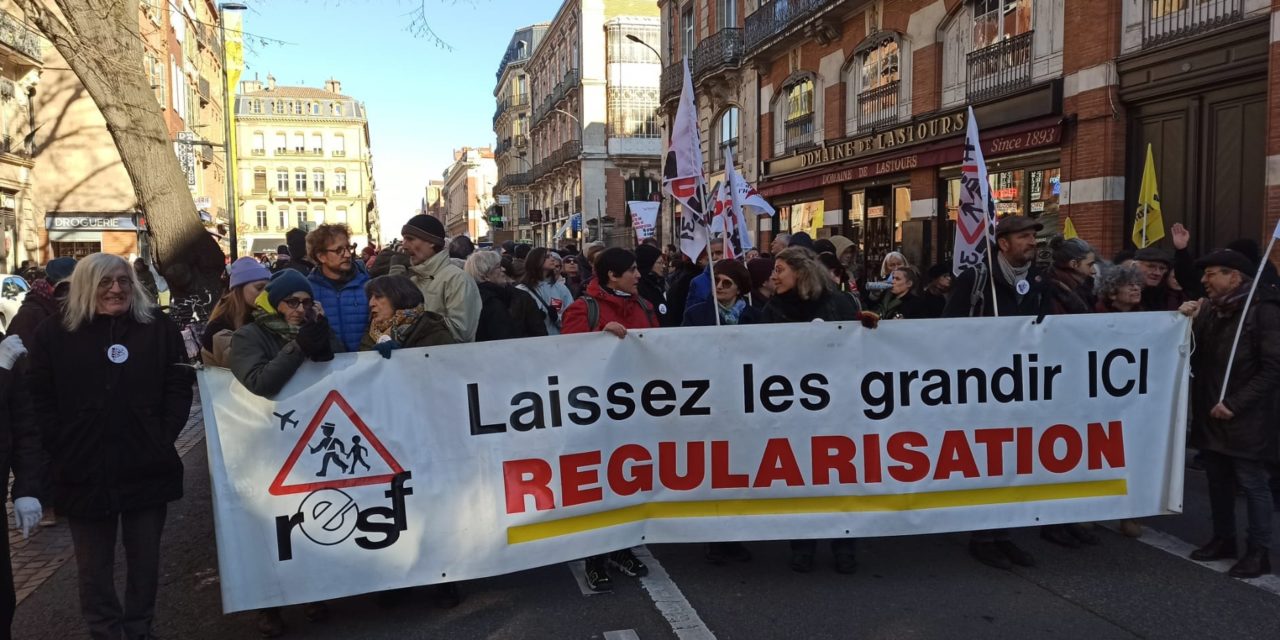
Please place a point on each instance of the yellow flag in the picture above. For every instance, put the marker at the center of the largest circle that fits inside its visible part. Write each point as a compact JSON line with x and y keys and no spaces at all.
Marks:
{"x":1148,"y":223}
{"x":1069,"y":230}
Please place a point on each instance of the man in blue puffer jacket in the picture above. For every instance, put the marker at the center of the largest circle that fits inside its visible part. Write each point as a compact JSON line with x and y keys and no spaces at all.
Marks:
{"x":338,"y":281}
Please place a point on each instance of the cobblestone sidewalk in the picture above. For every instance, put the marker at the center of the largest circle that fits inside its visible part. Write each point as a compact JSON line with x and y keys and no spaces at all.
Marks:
{"x":35,"y":559}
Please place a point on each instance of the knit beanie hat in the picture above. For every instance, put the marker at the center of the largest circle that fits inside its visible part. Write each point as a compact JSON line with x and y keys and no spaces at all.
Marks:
{"x":424,"y":227}
{"x":59,"y":269}
{"x":246,"y":270}
{"x":761,"y":269}
{"x":284,"y":284}
{"x":646,"y":256}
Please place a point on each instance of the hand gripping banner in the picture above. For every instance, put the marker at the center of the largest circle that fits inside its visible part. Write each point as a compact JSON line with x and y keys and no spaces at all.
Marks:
{"x":447,"y":463}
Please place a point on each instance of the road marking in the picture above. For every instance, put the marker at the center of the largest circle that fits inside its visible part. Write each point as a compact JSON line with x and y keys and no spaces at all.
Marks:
{"x":670,"y":602}
{"x":1178,"y":547}
{"x":625,"y":634}
{"x":579,"y":570}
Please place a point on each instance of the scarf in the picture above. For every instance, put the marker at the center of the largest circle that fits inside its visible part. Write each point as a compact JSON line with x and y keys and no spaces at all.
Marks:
{"x":397,"y":326}
{"x":1228,"y":304}
{"x":271,"y":321}
{"x":729,"y":315}
{"x":1013,"y":275}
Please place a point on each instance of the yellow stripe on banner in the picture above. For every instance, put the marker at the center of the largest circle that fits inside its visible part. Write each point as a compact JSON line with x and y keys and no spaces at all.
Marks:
{"x":828,"y":504}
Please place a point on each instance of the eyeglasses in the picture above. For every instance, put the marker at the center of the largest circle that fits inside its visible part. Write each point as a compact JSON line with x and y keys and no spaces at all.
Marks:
{"x":725,"y":283}
{"x":293,"y":303}
{"x":124,"y":282}
{"x":344,"y":250}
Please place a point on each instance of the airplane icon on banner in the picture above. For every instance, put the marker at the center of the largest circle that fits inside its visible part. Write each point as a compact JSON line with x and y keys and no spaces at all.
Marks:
{"x":286,"y":418}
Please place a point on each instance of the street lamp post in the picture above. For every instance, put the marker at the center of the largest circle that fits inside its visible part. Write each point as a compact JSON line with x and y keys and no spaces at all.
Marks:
{"x":632,"y":37}
{"x":233,"y":207}
{"x":582,"y":139}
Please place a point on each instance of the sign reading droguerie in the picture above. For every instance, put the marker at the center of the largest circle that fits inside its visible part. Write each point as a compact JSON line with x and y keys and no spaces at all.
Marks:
{"x":118,"y":222}
{"x":996,"y":146}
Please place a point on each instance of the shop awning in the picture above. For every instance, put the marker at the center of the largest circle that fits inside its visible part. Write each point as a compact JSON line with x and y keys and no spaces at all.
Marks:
{"x":265,"y":245}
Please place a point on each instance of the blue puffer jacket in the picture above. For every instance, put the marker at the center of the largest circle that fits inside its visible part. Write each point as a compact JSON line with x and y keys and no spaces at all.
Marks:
{"x":347,"y":309}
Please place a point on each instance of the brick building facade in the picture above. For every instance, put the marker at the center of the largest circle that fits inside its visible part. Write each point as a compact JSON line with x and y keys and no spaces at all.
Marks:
{"x":858,"y":109}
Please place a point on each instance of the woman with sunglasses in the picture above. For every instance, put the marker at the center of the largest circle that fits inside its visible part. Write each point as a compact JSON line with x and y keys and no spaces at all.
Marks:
{"x":288,"y":328}
{"x":733,"y":284}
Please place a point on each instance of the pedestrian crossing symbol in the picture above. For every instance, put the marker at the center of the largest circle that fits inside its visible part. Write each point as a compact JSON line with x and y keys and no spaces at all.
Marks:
{"x":337,"y":450}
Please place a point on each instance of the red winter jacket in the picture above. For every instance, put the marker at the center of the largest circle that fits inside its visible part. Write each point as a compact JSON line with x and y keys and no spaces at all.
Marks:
{"x":629,"y":312}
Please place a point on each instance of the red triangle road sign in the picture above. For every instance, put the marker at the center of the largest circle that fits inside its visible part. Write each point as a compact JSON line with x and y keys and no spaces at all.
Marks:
{"x":278,"y":486}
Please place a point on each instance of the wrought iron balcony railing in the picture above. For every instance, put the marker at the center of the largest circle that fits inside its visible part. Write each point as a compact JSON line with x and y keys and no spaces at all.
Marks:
{"x":879,"y":106}
{"x":799,"y":131}
{"x":774,"y":18}
{"x":723,"y":50}
{"x":1000,"y":69}
{"x":1168,"y":20}
{"x":19,"y":37}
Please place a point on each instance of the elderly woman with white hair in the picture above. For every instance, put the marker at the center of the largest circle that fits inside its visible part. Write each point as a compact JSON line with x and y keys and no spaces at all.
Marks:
{"x":505,"y":311}
{"x":111,"y":391}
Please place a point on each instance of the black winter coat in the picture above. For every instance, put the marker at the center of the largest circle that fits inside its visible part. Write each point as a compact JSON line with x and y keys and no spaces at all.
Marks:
{"x":19,"y":438}
{"x":110,"y":428}
{"x":653,"y":288}
{"x":35,"y":310}
{"x":1035,"y":303}
{"x":507,"y":312}
{"x":831,"y":306}
{"x":1253,"y":393}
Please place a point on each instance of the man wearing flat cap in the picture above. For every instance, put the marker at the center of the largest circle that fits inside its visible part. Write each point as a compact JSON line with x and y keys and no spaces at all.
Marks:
{"x":1157,"y":295}
{"x":1237,"y":436}
{"x":1020,"y":291}
{"x":1019,"y":287}
{"x":448,"y":290}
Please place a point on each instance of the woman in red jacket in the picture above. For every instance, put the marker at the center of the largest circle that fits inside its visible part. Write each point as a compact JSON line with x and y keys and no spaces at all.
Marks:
{"x":611,"y":303}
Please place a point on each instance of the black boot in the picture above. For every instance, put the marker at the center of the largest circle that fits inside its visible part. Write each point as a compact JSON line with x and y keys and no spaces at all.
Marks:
{"x":1217,"y":549}
{"x":1256,"y":562}
{"x":597,"y":572}
{"x":1058,"y":535}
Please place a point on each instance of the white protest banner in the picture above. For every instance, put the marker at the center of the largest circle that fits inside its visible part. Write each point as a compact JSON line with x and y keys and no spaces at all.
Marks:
{"x":447,"y":464}
{"x":644,"y":217}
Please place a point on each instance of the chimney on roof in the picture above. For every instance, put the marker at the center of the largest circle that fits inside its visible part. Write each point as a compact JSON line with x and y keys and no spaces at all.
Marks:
{"x":271,"y":82}
{"x":332,"y":86}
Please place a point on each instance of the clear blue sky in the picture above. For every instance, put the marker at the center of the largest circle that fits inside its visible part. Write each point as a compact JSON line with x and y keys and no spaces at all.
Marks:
{"x":423,"y":101}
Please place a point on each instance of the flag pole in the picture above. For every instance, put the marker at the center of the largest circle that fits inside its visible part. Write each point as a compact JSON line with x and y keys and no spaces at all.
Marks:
{"x":711,"y":258}
{"x":991,"y":248}
{"x":1235,"y":342}
{"x":1144,"y":225}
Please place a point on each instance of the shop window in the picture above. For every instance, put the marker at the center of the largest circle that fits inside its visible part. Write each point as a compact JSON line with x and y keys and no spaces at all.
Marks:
{"x":726,"y":137}
{"x":797,"y":124}
{"x":802,"y":216}
{"x":77,"y":250}
{"x":1017,"y":192}
{"x":877,"y":80}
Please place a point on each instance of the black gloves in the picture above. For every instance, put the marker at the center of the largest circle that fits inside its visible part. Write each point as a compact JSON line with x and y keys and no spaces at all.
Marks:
{"x":400,"y":259}
{"x":313,"y":339}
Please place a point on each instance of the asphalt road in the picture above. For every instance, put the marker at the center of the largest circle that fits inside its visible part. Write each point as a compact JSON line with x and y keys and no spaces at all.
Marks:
{"x":906,"y":587}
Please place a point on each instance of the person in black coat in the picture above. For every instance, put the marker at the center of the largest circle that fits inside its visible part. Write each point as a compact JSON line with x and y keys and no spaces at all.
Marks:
{"x":20,"y":454}
{"x":505,"y":311}
{"x":1020,"y":291}
{"x":803,"y":293}
{"x":732,"y":284}
{"x":112,"y":391}
{"x":652,"y":286}
{"x":1237,"y":436}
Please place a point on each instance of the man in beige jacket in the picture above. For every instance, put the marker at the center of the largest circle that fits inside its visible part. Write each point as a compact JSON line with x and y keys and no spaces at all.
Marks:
{"x":448,"y":290}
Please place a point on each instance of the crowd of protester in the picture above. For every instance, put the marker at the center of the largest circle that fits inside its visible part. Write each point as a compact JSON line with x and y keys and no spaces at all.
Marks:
{"x":92,"y":412}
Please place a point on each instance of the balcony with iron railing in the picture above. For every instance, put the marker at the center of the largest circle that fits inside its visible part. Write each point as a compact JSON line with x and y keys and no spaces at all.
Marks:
{"x":672,"y":81}
{"x":12,"y":146}
{"x":879,"y":106}
{"x":1164,"y":21}
{"x":798,"y":132}
{"x":723,"y":50}
{"x":999,"y":69}
{"x":773,"y":19}
{"x":18,"y":36}
{"x":512,"y":180}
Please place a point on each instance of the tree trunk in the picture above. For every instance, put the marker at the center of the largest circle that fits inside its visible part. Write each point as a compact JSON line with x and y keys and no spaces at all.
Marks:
{"x":101,"y":43}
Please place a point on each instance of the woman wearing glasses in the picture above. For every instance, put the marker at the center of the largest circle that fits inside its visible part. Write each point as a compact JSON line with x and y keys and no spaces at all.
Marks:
{"x":733,"y":283}
{"x":111,"y":393}
{"x":288,"y":328}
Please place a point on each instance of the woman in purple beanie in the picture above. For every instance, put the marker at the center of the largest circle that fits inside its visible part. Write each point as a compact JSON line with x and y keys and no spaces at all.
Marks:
{"x":248,"y":278}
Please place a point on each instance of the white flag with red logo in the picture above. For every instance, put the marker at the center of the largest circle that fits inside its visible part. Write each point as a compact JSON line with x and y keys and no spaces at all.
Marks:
{"x":975,"y":221}
{"x":682,"y":176}
{"x":743,"y":199}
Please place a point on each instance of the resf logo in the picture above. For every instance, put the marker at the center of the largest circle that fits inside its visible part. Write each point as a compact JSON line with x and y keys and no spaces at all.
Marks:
{"x":330,"y":516}
{"x":339,"y":460}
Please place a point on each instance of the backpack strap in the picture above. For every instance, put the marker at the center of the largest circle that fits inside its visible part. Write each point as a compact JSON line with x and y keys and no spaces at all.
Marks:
{"x":593,"y":312}
{"x":648,"y":311}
